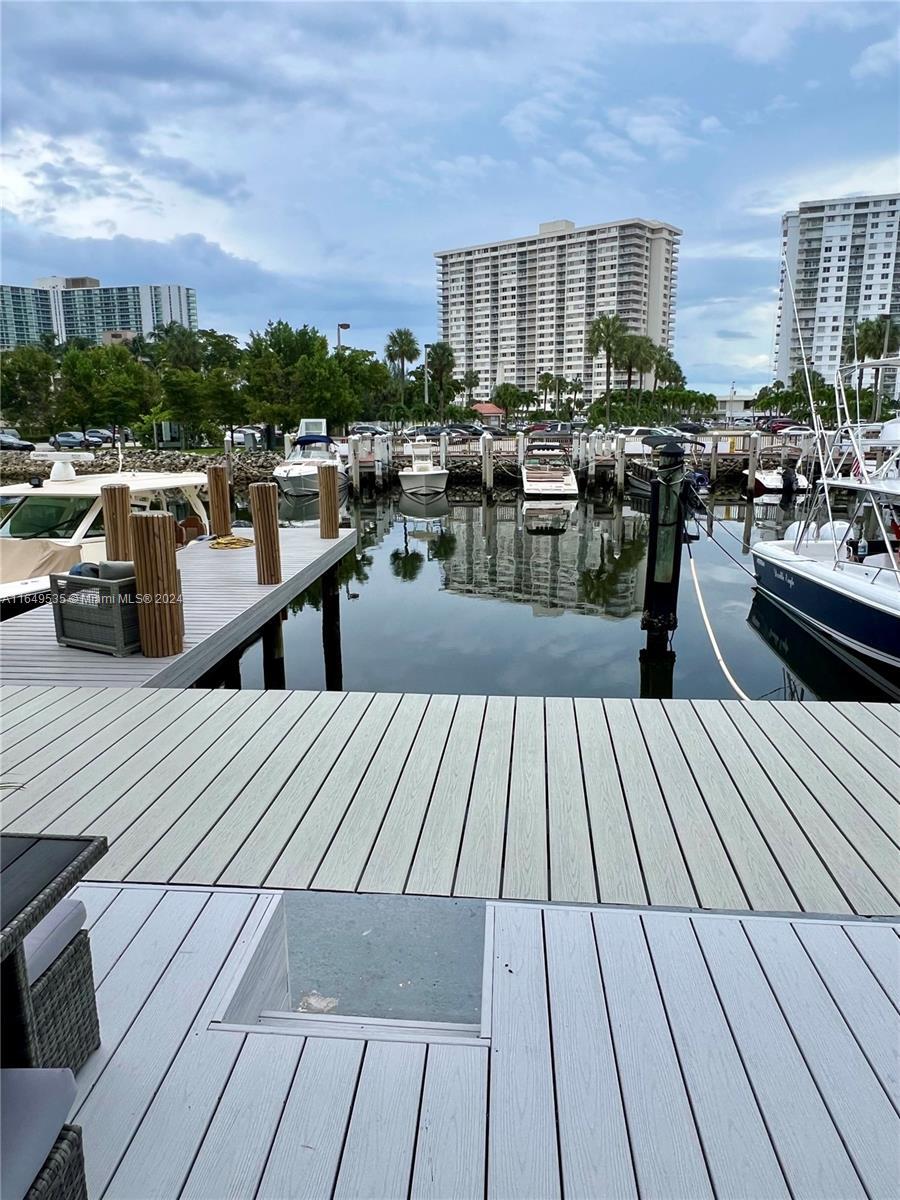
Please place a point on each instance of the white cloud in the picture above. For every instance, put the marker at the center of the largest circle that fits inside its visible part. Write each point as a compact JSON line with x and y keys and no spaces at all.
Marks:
{"x":759,"y":250}
{"x":609,"y":145}
{"x":527,"y":120}
{"x":711,"y":362}
{"x":711,"y":125}
{"x":658,"y":124}
{"x":839,"y":179}
{"x":880,"y":58}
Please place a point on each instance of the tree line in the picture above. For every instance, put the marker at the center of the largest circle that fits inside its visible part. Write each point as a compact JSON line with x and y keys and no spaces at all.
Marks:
{"x":203,"y":380}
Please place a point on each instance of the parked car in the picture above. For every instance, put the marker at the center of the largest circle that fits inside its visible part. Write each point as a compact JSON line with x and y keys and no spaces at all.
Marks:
{"x":745,"y":421}
{"x":70,"y":440}
{"x":7,"y":442}
{"x":368,"y":428}
{"x":105,"y":435}
{"x":690,"y":427}
{"x":429,"y":431}
{"x":8,"y":431}
{"x":779,"y":424}
{"x":795,"y":430}
{"x":642,"y":431}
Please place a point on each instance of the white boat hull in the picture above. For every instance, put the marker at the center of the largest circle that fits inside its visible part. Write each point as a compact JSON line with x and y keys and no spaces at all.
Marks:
{"x":423,"y":483}
{"x":303,"y":481}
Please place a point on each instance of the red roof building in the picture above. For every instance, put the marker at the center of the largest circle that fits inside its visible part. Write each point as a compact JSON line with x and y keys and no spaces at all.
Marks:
{"x":490,"y":414}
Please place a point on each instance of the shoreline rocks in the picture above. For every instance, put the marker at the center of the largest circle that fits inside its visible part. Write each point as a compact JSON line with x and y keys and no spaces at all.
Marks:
{"x":248,"y":467}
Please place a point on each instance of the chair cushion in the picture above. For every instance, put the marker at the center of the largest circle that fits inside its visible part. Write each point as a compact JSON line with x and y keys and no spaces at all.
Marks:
{"x":34,"y":1106}
{"x":50,"y":937}
{"x":116,"y":569}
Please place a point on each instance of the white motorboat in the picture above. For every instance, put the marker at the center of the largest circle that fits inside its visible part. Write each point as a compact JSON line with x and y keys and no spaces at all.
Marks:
{"x":55,"y":523}
{"x":298,"y":475}
{"x":423,"y":477}
{"x":766,"y":482}
{"x":547,"y":471}
{"x":842,"y":577}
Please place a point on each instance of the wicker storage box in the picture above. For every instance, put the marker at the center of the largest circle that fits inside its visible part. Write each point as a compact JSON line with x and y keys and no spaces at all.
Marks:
{"x":96,"y":614}
{"x":65,"y":1007}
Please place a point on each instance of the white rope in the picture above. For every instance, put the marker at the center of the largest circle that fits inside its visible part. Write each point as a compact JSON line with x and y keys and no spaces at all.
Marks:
{"x":712,"y":637}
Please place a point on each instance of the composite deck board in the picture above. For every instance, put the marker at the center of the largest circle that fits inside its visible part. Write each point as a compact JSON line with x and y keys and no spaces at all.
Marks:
{"x":882,"y":728}
{"x":631,"y":1051}
{"x":676,"y":803}
{"x":223,"y":607}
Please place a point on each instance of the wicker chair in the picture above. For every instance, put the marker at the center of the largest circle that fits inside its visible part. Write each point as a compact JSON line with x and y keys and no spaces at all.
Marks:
{"x":65,"y":1007}
{"x":62,"y":1175}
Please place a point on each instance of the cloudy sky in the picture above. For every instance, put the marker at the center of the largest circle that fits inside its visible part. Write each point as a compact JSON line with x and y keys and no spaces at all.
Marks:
{"x":305,"y":161}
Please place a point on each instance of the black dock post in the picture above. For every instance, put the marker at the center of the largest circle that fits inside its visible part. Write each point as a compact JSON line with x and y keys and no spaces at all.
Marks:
{"x":274,"y":678}
{"x":660,"y":615}
{"x":331,"y":631}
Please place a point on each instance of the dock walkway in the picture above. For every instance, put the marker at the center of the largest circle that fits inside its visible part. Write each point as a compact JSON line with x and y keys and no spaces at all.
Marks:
{"x":769,"y":807}
{"x":224,"y":606}
{"x":627,"y":1054}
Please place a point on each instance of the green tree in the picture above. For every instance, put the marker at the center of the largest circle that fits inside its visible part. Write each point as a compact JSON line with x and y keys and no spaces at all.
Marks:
{"x":643,"y":357}
{"x":77,"y":401}
{"x":322,"y":390}
{"x":605,"y":336}
{"x":560,"y":385}
{"x":441,"y":363}
{"x":400,"y":350}
{"x":225,"y":398}
{"x":218,"y":350}
{"x":184,"y":400}
{"x":576,"y":387}
{"x":175,"y":346}
{"x":508,"y":397}
{"x":470,"y":382}
{"x":27,"y":380}
{"x":545,"y":382}
{"x":124,"y":389}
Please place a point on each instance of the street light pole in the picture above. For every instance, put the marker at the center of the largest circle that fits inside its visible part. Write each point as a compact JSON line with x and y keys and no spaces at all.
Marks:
{"x":341,"y":325}
{"x":425,"y":371}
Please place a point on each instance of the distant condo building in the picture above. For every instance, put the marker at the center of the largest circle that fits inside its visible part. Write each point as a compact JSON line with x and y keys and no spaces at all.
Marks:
{"x":515,"y":309}
{"x":79,"y":307}
{"x":843,"y":260}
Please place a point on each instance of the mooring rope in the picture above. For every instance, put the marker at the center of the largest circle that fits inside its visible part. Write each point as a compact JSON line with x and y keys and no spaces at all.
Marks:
{"x":232,"y":542}
{"x":709,"y":630}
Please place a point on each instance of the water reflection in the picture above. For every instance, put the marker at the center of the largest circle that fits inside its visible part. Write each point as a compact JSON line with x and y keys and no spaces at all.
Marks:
{"x":454,"y":596}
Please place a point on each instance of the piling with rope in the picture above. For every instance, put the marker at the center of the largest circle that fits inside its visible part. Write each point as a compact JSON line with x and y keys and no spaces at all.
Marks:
{"x":264,"y":514}
{"x":329,"y":523}
{"x":116,"y":498}
{"x":160,"y":614}
{"x":219,"y":501}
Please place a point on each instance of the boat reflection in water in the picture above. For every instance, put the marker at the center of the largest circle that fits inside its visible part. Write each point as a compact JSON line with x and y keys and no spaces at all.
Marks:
{"x":817,"y":667}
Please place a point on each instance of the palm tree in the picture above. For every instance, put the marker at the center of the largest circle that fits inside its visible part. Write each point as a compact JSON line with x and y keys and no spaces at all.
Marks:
{"x":470,"y":382}
{"x":401,"y":348}
{"x":576,"y":387}
{"x":876,"y":338}
{"x":545,"y":383}
{"x":606,"y":334}
{"x":643,"y":359}
{"x":441,"y":362}
{"x":560,"y":385}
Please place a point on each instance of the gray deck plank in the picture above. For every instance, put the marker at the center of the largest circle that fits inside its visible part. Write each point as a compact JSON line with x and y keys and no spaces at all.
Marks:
{"x":618,"y":866}
{"x":378,"y":1155}
{"x":391,"y":857}
{"x":757,"y":868}
{"x":593,"y":1135}
{"x":668,"y":1158}
{"x":831,"y":738}
{"x":308,"y":842}
{"x":859,"y":1106}
{"x":809,"y":1147}
{"x":162,"y":801}
{"x":734,"y":1137}
{"x":880,"y":950}
{"x":268,"y":831}
{"x":450,"y":1150}
{"x":861,"y":999}
{"x":233,"y":1154}
{"x":96,"y":901}
{"x":434,"y":863}
{"x":344,"y":859}
{"x":118,"y":926}
{"x":481,"y":854}
{"x":525,"y":865}
{"x":307,"y":1147}
{"x":183,"y":1106}
{"x":665,"y":874}
{"x":267,"y":774}
{"x":122,"y":1095}
{"x":63,"y":780}
{"x":27,"y":702}
{"x":59,"y":705}
{"x":881,"y":726}
{"x":60,"y":734}
{"x":571,"y":854}
{"x":711,"y":871}
{"x":823,"y":809}
{"x":810,"y":880}
{"x":523,"y":1156}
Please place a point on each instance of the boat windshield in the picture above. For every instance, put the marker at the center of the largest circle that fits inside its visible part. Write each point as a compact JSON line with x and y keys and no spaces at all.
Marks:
{"x":545,"y":459}
{"x":314,"y":450}
{"x":45,"y":516}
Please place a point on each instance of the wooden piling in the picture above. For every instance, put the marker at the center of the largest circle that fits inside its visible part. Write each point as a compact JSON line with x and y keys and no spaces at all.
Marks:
{"x":713,"y":460}
{"x":487,"y":463}
{"x":116,"y":499}
{"x":378,"y":456}
{"x":328,"y":501}
{"x":274,"y":678}
{"x":444,"y":442}
{"x":620,"y":466}
{"x":160,"y":615}
{"x":331,"y":631}
{"x":219,"y":501}
{"x":266,"y":537}
{"x":752,"y":463}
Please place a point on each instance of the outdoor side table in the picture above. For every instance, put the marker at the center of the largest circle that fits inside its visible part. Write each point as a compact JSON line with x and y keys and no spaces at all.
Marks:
{"x":35,"y":874}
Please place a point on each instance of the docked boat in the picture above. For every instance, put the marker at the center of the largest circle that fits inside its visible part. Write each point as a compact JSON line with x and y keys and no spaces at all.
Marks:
{"x":776,"y":480}
{"x":52,"y":524}
{"x":547,"y":471}
{"x":298,"y":475}
{"x":547,"y":517}
{"x":423,"y":477}
{"x":842,"y":577}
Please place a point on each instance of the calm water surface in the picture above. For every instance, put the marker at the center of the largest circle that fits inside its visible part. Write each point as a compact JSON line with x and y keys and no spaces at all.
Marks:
{"x":495,"y":599}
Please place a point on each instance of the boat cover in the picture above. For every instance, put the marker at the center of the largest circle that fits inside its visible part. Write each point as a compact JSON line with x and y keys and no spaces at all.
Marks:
{"x":28,"y":558}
